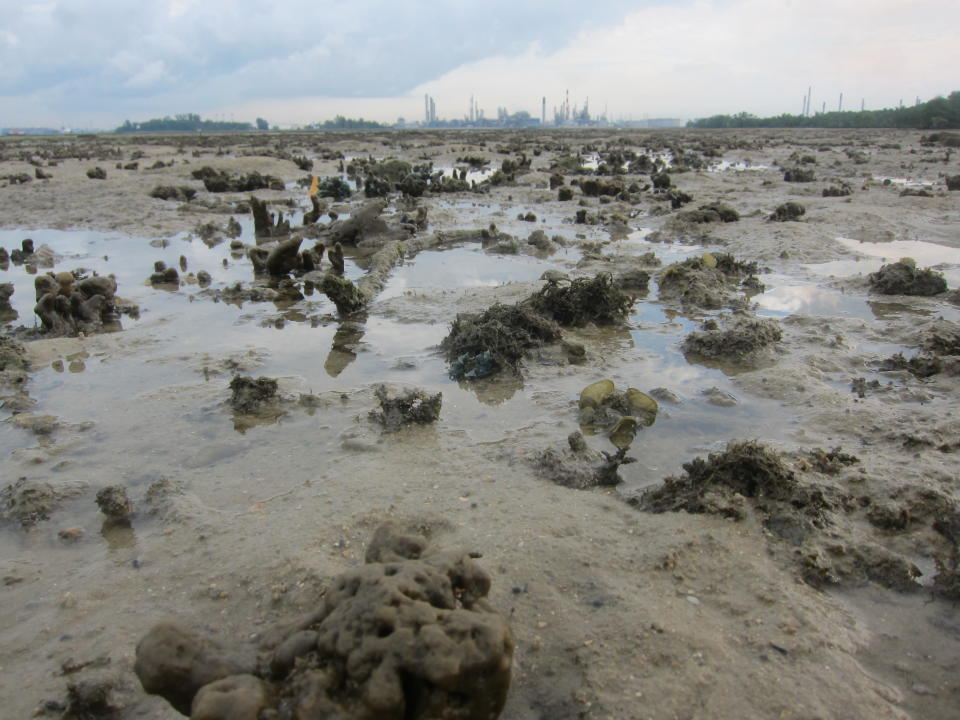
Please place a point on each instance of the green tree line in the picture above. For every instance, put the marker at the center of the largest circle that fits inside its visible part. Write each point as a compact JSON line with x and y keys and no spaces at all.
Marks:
{"x":344,"y":123}
{"x":188,"y":122}
{"x":939,"y":113}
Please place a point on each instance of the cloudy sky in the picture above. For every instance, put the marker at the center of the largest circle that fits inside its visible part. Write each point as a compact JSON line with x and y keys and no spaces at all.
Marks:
{"x":94,"y":63}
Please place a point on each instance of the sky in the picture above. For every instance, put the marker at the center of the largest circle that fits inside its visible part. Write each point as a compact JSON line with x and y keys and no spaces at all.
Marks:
{"x":96,"y":63}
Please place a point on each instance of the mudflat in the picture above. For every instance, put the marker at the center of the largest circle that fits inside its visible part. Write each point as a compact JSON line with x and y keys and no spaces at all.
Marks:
{"x":691,"y":396}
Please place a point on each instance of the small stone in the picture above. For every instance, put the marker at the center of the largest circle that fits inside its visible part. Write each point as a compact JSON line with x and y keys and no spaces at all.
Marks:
{"x":70,"y":534}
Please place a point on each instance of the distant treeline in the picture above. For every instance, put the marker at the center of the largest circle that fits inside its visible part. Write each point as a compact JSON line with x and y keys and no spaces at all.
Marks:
{"x":344,"y":123}
{"x":183,"y":123}
{"x":939,"y":113}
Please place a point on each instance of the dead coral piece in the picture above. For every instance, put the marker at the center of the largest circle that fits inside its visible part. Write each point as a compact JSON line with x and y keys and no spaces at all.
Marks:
{"x":218,"y":181}
{"x":68,"y":306}
{"x":496,"y":339}
{"x":713,"y":212}
{"x":115,"y":504}
{"x":831,"y":462}
{"x":163,"y":275}
{"x":249,"y":395}
{"x":176,"y":664}
{"x":742,"y":338}
{"x":408,"y":636}
{"x":903,"y":278}
{"x":841,"y":190}
{"x":788,"y":211}
{"x":577,"y":466}
{"x":799,"y":175}
{"x":265,"y":224}
{"x":583,"y":300}
{"x":181,"y":193}
{"x":404,"y":408}
{"x":284,"y":258}
{"x":91,"y":698}
{"x":348,"y":298}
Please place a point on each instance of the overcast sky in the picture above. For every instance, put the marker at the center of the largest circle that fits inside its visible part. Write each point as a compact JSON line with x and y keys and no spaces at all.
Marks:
{"x":95,"y":63}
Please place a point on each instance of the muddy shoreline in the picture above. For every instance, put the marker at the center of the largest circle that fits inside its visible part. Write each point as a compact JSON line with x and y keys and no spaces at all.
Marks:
{"x":788,"y":602}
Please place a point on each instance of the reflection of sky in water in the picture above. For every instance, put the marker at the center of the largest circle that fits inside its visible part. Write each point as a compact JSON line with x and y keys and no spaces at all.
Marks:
{"x":668,"y":253}
{"x":735,"y":165}
{"x":477,"y":175}
{"x":926,"y":254}
{"x":378,"y":349}
{"x":463,"y":268}
{"x":784,"y":298}
{"x":902,"y":181}
{"x":683,"y":430}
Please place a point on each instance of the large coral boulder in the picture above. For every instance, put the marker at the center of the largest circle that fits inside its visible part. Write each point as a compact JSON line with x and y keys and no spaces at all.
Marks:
{"x":408,"y":636}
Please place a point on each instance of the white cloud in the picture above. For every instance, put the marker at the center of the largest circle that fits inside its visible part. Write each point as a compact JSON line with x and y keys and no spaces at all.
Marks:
{"x":688,"y":60}
{"x":310,"y":59}
{"x":150,"y":75}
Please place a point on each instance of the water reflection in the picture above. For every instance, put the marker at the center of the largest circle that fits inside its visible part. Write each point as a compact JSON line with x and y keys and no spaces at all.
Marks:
{"x":346,"y":342}
{"x":495,"y":390}
{"x":783,"y":300}
{"x":119,"y":536}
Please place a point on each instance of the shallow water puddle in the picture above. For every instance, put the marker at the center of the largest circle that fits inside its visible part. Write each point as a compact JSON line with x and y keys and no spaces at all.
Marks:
{"x":131,"y":261}
{"x":466,"y":267}
{"x":470,"y":174}
{"x":735,"y":166}
{"x":784,"y":297}
{"x":876,"y":254}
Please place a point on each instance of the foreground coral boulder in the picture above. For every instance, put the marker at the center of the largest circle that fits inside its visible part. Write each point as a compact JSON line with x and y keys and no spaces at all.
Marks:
{"x":408,"y":636}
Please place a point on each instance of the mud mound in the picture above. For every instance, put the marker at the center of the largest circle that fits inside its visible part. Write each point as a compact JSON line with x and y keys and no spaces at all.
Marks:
{"x":408,"y":636}
{"x":708,"y":281}
{"x":13,"y":362}
{"x":904,"y":278}
{"x":741,"y":338}
{"x":947,"y":580}
{"x":746,"y":468}
{"x":919,"y":365}
{"x":249,"y":395}
{"x":364,"y":223}
{"x":496,"y":339}
{"x":26,"y":502}
{"x":943,"y":338}
{"x":411,"y":406}
{"x":583,"y":300}
{"x":750,"y":477}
